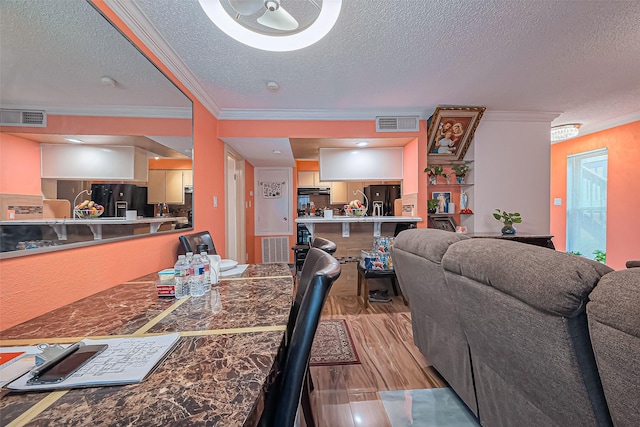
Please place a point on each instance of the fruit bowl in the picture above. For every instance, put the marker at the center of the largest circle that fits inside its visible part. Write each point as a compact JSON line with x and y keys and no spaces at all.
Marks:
{"x":88,"y":213}
{"x":350,"y":211}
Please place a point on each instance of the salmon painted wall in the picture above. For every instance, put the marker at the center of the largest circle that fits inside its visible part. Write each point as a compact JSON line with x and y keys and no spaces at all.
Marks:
{"x":61,"y":277}
{"x":21,"y":177}
{"x":410,"y":169}
{"x":307,"y":165}
{"x":623,"y":189}
{"x":170,"y":164}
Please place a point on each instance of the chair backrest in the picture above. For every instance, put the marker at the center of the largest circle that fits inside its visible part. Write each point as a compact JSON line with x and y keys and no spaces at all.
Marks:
{"x":190,"y":242}
{"x":325,"y":244}
{"x":283,"y":397}
{"x":304,"y":278}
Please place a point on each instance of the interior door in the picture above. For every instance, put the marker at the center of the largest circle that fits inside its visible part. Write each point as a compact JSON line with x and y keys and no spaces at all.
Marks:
{"x":273,"y":201}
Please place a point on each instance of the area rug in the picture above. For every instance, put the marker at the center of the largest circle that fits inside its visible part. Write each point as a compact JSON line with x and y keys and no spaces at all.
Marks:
{"x":435,"y":407}
{"x":333,"y":345}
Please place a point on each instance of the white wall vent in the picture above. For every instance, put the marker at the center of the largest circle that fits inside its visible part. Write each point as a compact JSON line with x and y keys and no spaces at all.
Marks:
{"x":34,"y":118}
{"x":398,"y":124}
{"x":275,"y":249}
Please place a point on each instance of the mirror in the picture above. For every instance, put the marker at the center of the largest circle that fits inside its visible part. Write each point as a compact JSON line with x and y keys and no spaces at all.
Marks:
{"x":86,"y":117}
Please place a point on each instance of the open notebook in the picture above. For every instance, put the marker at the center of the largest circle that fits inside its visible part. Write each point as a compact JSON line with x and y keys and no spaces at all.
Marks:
{"x":124,"y":361}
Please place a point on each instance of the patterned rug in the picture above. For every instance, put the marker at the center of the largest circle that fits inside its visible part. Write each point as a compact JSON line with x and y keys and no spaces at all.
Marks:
{"x":333,"y":345}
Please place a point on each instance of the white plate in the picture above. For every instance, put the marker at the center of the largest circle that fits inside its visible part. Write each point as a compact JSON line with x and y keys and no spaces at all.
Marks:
{"x":227,"y":264}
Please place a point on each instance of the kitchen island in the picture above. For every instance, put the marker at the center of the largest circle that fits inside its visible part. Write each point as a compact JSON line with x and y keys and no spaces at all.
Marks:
{"x":346,"y":222}
{"x":353,"y":234}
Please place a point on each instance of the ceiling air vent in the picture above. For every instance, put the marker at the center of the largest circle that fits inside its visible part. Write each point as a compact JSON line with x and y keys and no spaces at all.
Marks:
{"x":397,"y":124}
{"x":33,"y":118}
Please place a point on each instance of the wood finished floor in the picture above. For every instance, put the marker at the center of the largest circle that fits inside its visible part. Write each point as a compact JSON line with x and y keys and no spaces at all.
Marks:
{"x":346,"y":395}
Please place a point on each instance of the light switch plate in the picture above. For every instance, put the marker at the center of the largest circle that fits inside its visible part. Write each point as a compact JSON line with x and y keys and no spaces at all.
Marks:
{"x":215,"y":201}
{"x":557,"y":201}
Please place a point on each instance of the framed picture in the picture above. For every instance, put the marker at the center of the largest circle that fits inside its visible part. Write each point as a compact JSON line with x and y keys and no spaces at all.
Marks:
{"x":450,"y":131}
{"x":445,"y":223}
{"x":443,"y":198}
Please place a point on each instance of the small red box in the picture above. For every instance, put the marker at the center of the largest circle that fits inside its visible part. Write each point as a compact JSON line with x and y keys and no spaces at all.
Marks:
{"x":166,"y":290}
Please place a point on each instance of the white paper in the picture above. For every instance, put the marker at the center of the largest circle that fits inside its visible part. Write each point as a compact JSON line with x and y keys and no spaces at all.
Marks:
{"x":124,"y":361}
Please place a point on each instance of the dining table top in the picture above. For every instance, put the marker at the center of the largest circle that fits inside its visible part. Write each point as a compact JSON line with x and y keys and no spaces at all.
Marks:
{"x":216,"y":374}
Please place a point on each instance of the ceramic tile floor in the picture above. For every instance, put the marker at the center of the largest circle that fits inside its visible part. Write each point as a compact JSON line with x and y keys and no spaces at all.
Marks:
{"x":435,"y":407}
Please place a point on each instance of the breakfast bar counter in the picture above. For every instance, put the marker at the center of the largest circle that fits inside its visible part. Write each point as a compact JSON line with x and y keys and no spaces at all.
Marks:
{"x":216,"y":375}
{"x":346,"y":221}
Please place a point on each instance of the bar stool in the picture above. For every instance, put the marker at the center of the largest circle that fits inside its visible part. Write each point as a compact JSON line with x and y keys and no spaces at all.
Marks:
{"x":324,"y":244}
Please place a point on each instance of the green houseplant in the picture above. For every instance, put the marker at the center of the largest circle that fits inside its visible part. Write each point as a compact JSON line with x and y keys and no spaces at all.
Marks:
{"x":433,"y":172}
{"x":432,"y":206}
{"x":460,"y":170}
{"x":508,"y":219}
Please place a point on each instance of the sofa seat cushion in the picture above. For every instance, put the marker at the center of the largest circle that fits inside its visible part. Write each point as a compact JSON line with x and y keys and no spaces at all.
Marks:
{"x":525,"y":272}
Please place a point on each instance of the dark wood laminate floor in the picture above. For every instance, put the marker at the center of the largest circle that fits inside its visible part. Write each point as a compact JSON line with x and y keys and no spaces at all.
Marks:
{"x":346,"y":395}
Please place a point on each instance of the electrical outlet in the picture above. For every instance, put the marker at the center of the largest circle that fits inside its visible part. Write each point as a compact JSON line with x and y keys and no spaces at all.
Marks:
{"x":557,"y":201}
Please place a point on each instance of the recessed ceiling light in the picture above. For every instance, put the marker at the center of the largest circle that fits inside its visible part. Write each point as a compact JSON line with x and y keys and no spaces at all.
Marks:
{"x":273,"y":86}
{"x":74,"y":140}
{"x":107,"y":81}
{"x":362,"y":143}
{"x":277,"y":152}
{"x":276,"y":43}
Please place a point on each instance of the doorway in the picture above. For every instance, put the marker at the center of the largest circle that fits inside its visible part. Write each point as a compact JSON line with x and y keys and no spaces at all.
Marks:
{"x":235,"y":202}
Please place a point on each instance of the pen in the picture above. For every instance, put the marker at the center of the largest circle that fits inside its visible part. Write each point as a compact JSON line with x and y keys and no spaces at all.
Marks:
{"x":39,"y":370}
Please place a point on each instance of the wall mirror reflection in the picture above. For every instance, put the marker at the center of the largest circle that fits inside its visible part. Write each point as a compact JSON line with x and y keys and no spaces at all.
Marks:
{"x":95,"y":142}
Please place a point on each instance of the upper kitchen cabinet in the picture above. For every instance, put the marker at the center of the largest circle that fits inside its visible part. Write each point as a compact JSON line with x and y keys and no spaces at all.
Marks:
{"x":309,"y":179}
{"x":338,"y":192}
{"x":92,"y":162}
{"x":165,"y":186}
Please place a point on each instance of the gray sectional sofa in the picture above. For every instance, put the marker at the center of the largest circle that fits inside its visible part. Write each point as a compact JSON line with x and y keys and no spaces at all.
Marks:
{"x":522,"y":333}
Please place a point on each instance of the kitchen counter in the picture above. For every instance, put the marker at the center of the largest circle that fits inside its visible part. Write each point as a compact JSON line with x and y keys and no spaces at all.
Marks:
{"x":59,"y":225}
{"x":216,"y":375}
{"x":377,"y":221}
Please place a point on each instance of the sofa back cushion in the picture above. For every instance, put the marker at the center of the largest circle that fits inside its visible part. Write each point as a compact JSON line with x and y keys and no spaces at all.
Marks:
{"x":417,"y":256}
{"x":614,"y":322}
{"x":522,"y":309}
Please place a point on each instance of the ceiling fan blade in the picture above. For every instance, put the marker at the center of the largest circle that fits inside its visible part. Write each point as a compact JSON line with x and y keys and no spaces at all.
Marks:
{"x":279,"y":19}
{"x":246,"y":7}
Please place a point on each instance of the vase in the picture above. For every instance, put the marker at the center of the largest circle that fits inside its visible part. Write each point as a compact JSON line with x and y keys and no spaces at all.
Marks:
{"x":508,"y":228}
{"x":431,"y":210}
{"x":460,"y":179}
{"x":432,"y":180}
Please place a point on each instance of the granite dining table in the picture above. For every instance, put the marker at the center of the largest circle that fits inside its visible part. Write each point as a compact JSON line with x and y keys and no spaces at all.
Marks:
{"x":216,"y":375}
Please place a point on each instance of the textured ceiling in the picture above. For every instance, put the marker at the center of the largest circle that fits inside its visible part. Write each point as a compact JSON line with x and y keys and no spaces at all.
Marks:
{"x":579,"y":59}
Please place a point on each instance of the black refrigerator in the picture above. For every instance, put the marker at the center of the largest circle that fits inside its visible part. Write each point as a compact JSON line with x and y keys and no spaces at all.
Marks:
{"x":108,"y":194}
{"x":386,"y":194}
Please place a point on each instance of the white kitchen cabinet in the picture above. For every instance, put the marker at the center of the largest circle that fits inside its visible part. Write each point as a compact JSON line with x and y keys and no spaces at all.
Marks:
{"x":165,"y":186}
{"x":339,"y":192}
{"x":309,"y":179}
{"x":187,"y":177}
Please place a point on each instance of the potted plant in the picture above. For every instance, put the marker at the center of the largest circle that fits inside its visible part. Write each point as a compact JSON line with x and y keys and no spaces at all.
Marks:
{"x":508,"y":219}
{"x":460,"y":170}
{"x":433,"y":172}
{"x":432,"y":206}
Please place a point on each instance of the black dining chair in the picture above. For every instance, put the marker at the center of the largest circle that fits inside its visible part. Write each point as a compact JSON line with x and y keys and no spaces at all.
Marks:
{"x":325,"y":244}
{"x":290,"y":387}
{"x":190,"y":242}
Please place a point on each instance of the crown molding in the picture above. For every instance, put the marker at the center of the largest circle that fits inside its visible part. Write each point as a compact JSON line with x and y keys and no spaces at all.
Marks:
{"x":520,"y":116}
{"x":608,"y":124}
{"x":110,"y":111}
{"x":138,"y":22}
{"x":301,"y":114}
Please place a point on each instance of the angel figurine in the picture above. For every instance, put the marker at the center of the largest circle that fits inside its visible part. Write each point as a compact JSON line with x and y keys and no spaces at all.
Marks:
{"x":463,"y":200}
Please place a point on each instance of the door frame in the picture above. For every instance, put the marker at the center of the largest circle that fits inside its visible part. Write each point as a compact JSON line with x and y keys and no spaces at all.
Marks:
{"x":238,"y":210}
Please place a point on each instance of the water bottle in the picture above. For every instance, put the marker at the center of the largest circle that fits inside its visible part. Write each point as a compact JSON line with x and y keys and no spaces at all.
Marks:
{"x":196,"y":284}
{"x":206,"y":280}
{"x":181,"y":277}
